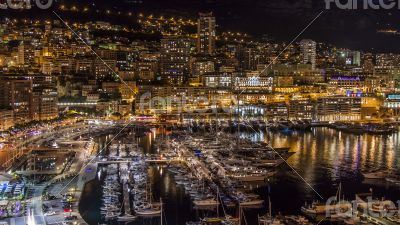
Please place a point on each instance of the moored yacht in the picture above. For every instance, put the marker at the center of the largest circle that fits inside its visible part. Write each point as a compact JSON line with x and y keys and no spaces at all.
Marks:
{"x":375,"y":175}
{"x":206,"y":202}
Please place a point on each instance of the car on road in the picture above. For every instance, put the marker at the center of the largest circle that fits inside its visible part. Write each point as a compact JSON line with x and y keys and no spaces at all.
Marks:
{"x":51,"y":213}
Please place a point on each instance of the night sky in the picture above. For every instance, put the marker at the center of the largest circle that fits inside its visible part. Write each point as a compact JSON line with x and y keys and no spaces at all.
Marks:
{"x":280,"y":20}
{"x":284,"y":19}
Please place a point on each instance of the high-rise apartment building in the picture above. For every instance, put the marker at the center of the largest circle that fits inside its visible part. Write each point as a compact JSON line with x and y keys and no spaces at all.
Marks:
{"x":26,"y":54}
{"x":308,"y":50}
{"x":206,"y":34}
{"x":16,"y":94}
{"x":368,"y":62}
{"x":45,"y":98}
{"x":174,"y":61}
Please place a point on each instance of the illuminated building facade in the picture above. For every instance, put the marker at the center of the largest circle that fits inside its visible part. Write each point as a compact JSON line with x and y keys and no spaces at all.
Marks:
{"x":219,"y":80}
{"x":16,"y":94}
{"x":254,"y":84}
{"x":392,"y":102}
{"x":338,"y":108}
{"x":308,"y":50}
{"x":206,"y":34}
{"x":301,"y":109}
{"x":174,"y":61}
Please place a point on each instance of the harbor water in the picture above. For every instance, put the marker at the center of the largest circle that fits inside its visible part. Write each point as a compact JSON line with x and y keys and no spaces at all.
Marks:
{"x":323,"y":159}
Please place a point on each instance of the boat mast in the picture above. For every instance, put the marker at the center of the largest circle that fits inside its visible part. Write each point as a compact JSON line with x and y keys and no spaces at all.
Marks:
{"x":217,"y":201}
{"x":238,"y":123}
{"x":270,"y":206}
{"x":161,"y":211}
{"x":240,"y":214}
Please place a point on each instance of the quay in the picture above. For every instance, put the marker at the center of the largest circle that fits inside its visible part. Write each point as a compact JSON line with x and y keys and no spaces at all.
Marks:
{"x":161,"y":161}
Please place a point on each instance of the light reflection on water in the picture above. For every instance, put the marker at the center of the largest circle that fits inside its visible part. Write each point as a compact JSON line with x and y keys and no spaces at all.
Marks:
{"x":324,"y":158}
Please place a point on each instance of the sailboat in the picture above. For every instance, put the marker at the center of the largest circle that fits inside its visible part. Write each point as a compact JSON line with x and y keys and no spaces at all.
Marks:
{"x":126,"y":218}
{"x":268,"y":219}
{"x":323,"y":208}
{"x":149,"y":209}
{"x":206,"y":202}
{"x":226,"y":220}
{"x":211,"y":202}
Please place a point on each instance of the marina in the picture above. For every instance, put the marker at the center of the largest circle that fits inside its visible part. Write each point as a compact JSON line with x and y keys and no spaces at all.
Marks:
{"x":212,"y":180}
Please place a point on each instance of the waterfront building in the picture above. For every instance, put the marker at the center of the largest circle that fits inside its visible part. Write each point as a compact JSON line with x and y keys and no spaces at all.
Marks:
{"x":370,"y":106}
{"x":308,"y":50}
{"x":338,"y":108}
{"x":206,"y":34}
{"x":172,"y":100}
{"x":392,"y":102}
{"x":302,"y":108}
{"x":276,"y":111}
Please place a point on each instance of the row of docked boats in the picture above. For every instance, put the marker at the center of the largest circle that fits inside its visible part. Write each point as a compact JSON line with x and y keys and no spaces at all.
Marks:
{"x":363,"y":210}
{"x":262,"y":220}
{"x":392,"y":177}
{"x":111,"y":204}
{"x":365,"y":128}
{"x":289,"y":126}
{"x":241,"y":160}
{"x":143,"y":203}
{"x":224,"y":167}
{"x":126,"y":181}
{"x":196,"y":187}
{"x":222,"y":125}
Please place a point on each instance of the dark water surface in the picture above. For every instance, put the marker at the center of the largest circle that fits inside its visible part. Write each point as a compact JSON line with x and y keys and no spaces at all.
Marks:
{"x":324,"y":158}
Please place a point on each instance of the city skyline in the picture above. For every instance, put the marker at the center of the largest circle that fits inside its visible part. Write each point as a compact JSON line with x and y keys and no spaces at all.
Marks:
{"x":344,"y":28}
{"x":209,"y":112}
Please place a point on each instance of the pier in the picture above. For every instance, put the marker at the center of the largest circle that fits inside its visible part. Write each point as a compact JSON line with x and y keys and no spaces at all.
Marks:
{"x":164,"y":161}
